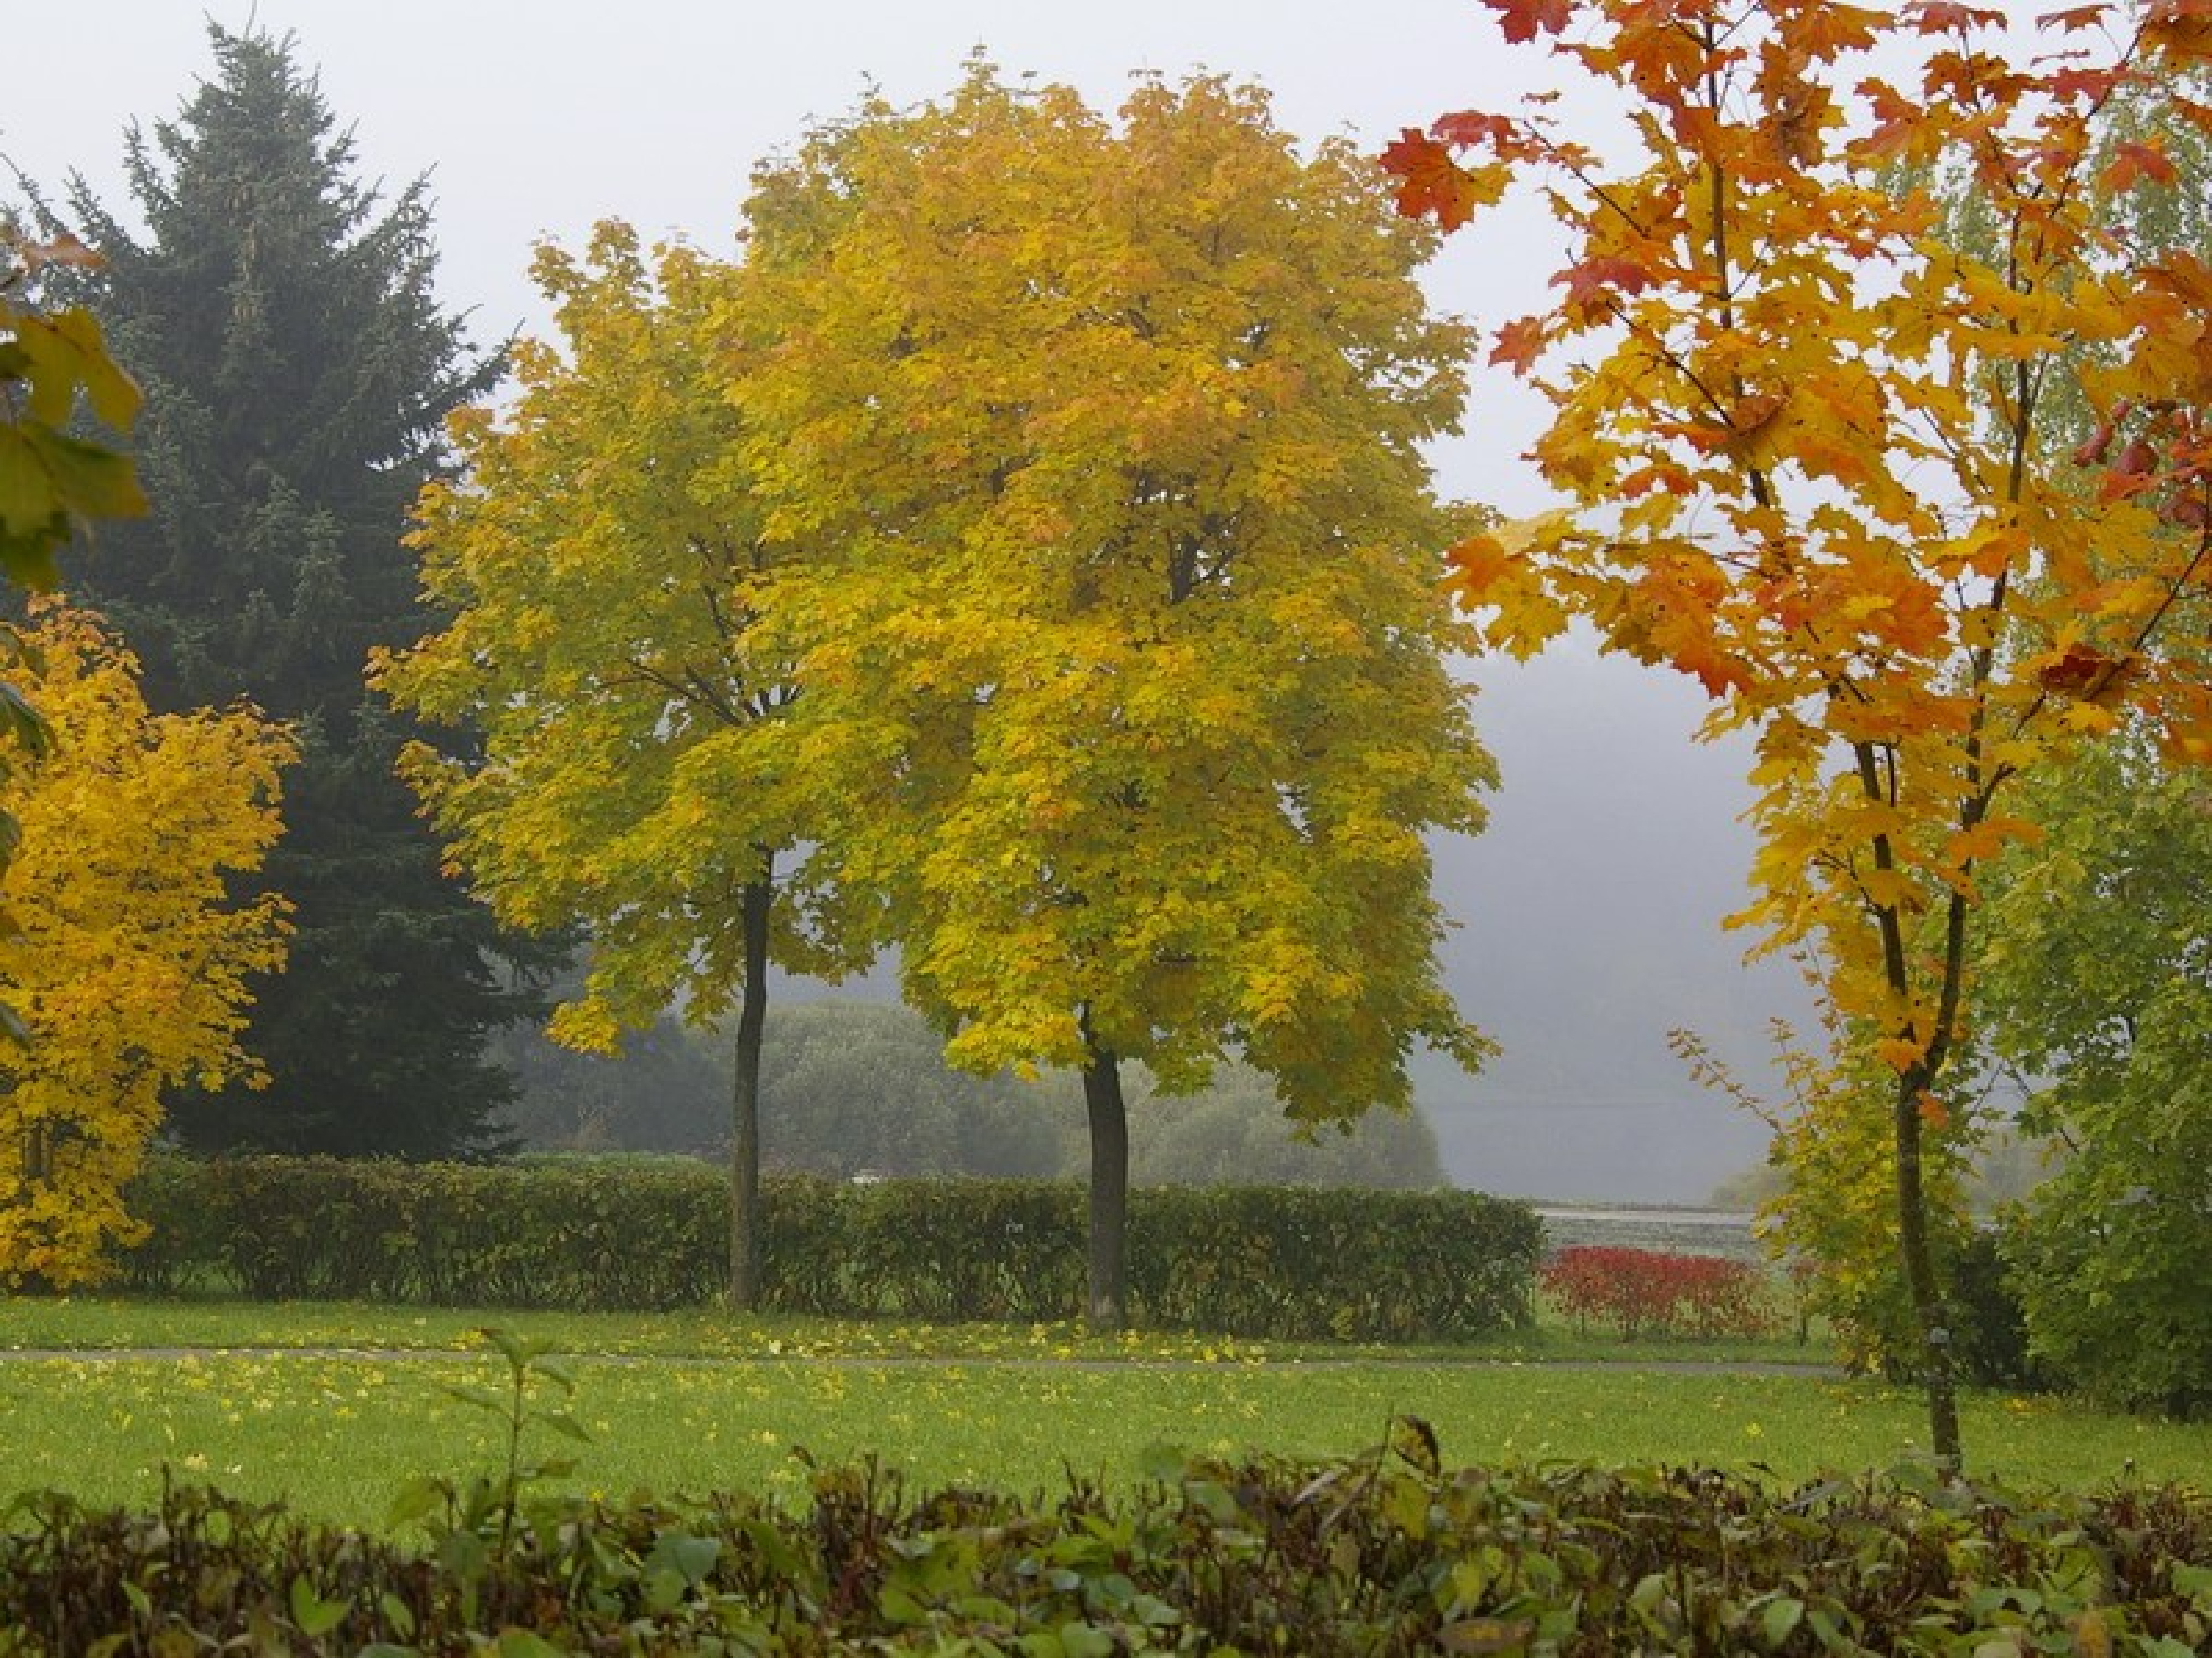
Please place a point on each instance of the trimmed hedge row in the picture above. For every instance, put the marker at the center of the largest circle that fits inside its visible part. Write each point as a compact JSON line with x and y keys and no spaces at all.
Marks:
{"x":596,"y":1233}
{"x":1387,"y":1554}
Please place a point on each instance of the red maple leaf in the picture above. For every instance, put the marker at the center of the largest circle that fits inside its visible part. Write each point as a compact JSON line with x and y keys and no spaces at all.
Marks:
{"x":1465,"y":129}
{"x":2080,"y":671}
{"x":2132,"y":162}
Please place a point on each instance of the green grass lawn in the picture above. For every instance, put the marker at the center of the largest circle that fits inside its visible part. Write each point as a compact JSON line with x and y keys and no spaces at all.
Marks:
{"x":689,"y":1402}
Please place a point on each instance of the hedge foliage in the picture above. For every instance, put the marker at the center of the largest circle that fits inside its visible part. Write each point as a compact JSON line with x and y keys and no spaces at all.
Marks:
{"x":628,"y":1232}
{"x":1390,"y":1553}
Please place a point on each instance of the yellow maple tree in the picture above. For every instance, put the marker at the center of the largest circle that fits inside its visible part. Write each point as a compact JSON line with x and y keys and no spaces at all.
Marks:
{"x":1800,"y":435}
{"x":1124,"y":639}
{"x":132,"y":964}
{"x":603,"y":568}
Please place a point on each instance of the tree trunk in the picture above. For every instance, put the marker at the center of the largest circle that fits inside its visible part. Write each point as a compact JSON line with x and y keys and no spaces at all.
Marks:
{"x":745,"y":1251}
{"x":1918,"y":1260}
{"x":1108,"y":1309}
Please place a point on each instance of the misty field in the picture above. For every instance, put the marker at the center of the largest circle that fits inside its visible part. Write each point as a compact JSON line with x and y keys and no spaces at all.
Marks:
{"x":299,"y":1407}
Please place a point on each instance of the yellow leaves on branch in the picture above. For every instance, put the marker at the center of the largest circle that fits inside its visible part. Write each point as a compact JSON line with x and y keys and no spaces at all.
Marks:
{"x":133,"y":965}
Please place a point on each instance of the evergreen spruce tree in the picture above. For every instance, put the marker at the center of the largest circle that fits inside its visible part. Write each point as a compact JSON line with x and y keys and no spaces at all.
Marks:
{"x":298,"y":371}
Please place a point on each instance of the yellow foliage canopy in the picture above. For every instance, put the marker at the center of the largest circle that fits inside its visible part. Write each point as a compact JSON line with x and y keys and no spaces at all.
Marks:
{"x":132,"y":966}
{"x":1124,"y":633}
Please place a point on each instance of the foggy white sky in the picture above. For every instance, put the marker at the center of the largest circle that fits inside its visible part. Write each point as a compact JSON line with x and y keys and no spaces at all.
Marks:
{"x":1593,"y":904}
{"x":537,"y":119}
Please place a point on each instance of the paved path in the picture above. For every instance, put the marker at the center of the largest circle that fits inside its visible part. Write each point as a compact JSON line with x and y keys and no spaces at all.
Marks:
{"x":886,"y":1362}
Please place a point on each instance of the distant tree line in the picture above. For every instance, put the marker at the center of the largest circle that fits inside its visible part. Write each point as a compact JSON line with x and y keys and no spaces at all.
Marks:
{"x":857,"y":1089}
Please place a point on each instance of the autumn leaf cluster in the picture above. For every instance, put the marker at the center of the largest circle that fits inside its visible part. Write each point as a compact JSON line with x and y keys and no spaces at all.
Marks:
{"x":1797,"y":422}
{"x":132,"y":963}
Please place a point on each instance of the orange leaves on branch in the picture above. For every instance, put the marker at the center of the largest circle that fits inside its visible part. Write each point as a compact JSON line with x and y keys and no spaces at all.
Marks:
{"x":1783,"y":350}
{"x":1592,"y":286}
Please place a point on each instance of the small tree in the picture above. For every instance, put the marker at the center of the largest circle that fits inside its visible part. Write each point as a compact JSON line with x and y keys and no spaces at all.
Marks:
{"x":1126,"y":647}
{"x":1798,"y":431}
{"x":2096,"y":984}
{"x":641,"y":773}
{"x":131,"y":965}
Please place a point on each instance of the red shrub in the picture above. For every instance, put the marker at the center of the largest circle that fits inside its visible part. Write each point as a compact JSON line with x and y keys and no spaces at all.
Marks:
{"x":1655,"y":1293}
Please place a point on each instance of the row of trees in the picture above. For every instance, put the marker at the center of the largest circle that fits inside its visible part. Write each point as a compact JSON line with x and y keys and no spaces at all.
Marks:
{"x":860,"y":1088}
{"x":1020,"y":555}
{"x":1023,"y":556}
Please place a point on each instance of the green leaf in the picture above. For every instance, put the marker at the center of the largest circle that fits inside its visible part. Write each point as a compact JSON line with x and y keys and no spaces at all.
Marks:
{"x":561,"y":1423}
{"x":692,"y":1558}
{"x":315,"y":1616}
{"x":114,"y":395}
{"x":29,"y":502}
{"x":91,"y":481}
{"x":398,"y":1614}
{"x":469,"y":1394}
{"x":1783,"y":1615}
{"x":29,"y":561}
{"x":1485,"y":1636}
{"x":418,"y":1500}
{"x":515,"y":1643}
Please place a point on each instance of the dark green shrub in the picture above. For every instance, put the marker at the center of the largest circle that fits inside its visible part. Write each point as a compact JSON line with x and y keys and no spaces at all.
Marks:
{"x":1989,"y":1335}
{"x":1390,"y":1553}
{"x":653,"y":1232}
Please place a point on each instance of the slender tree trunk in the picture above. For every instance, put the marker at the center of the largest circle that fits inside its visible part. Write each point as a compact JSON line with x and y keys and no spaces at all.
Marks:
{"x":745,"y":1250}
{"x":1913,"y":1083}
{"x":1931,"y":1322}
{"x":1108,"y":1300}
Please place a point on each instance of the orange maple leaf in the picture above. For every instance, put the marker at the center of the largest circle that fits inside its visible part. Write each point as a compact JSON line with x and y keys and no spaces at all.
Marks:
{"x":2082,"y":672}
{"x":1949,"y":17}
{"x":1520,"y":343}
{"x":1478,"y":563}
{"x":1466,"y":128}
{"x":2133,"y":162}
{"x":1591,"y":284}
{"x":1524,"y":19}
{"x":2074,"y":18}
{"x":1429,"y":181}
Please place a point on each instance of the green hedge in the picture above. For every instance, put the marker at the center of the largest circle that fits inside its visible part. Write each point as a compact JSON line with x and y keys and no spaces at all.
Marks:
{"x":1388,"y":1553}
{"x":630,"y":1232}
